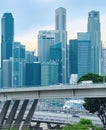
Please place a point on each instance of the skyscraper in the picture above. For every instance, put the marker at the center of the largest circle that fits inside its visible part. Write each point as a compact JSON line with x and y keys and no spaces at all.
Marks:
{"x":60,"y":19}
{"x":18,"y":64}
{"x":56,"y":55}
{"x":7,"y":73}
{"x":84,"y":54}
{"x":95,"y":37}
{"x":61,"y":36}
{"x":73,"y":56}
{"x":7,"y":36}
{"x":45,"y":40}
{"x":33,"y":74}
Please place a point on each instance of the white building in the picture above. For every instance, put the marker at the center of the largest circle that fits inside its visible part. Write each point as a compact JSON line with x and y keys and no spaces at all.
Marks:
{"x":45,"y":40}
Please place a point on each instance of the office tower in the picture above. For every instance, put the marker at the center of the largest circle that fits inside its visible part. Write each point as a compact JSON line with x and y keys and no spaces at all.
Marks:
{"x":33,"y":74}
{"x":56,"y":55}
{"x":84,"y":54}
{"x":60,"y":19}
{"x":104,"y":62}
{"x":7,"y":36}
{"x":0,"y":77}
{"x":73,"y":56}
{"x":95,"y":37}
{"x":61,"y":36}
{"x":49,"y":73}
{"x":18,"y":64}
{"x":7,"y":73}
{"x":45,"y":40}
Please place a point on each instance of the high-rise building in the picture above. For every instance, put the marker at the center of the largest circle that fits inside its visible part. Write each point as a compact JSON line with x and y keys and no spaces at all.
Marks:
{"x":7,"y":73}
{"x":33,"y":74}
{"x":84,"y":54}
{"x":18,"y":65}
{"x":7,"y":36}
{"x":60,"y":19}
{"x":104,"y":62}
{"x":49,"y":73}
{"x":45,"y":40}
{"x":61,"y":36}
{"x":0,"y":77}
{"x":95,"y":37}
{"x":73,"y":56}
{"x":56,"y":55}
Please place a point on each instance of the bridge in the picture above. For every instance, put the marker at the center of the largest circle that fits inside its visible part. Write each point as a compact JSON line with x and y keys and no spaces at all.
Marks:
{"x":15,"y":95}
{"x":56,"y":91}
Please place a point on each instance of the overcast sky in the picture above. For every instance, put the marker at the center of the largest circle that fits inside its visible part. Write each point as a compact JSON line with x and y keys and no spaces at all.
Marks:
{"x":30,"y":16}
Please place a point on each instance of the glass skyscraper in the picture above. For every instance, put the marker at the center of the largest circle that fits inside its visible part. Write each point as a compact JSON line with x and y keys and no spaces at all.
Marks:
{"x":95,"y":37}
{"x":73,"y":56}
{"x":84,"y":54}
{"x":45,"y":40}
{"x":18,"y":64}
{"x":60,"y":26}
{"x":7,"y":36}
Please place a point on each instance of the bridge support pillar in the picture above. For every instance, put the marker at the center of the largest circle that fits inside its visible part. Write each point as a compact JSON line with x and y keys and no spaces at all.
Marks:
{"x":4,"y":112}
{"x":11,"y":116}
{"x":20,"y":115}
{"x":49,"y":125}
{"x":29,"y":116}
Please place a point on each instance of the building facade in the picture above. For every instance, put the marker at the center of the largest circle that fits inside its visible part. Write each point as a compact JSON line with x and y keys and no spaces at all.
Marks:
{"x":45,"y":40}
{"x":56,"y":55}
{"x":95,"y":37}
{"x":61,"y":36}
{"x":18,"y":65}
{"x":104,"y":62}
{"x":7,"y":36}
{"x":49,"y":73}
{"x":7,"y":73}
{"x":33,"y":74}
{"x":84,"y":54}
{"x":73,"y":56}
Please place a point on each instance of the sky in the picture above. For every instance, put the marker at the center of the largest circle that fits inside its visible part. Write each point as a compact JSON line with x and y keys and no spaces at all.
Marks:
{"x":30,"y":16}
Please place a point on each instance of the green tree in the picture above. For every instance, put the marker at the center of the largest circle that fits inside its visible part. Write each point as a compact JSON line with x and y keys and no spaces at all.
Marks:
{"x":94,"y":77}
{"x":97,"y":105}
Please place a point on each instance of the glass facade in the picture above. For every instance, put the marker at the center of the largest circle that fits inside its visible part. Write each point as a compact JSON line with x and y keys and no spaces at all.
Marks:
{"x":73,"y":56}
{"x":33,"y":74}
{"x":95,"y":37}
{"x":7,"y":36}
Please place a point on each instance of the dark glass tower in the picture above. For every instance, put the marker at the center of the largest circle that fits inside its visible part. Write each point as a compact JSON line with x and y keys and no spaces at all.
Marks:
{"x":73,"y":56}
{"x":7,"y":36}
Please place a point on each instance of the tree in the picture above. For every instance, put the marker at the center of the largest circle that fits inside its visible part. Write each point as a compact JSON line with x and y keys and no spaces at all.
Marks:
{"x":97,"y":105}
{"x":94,"y":77}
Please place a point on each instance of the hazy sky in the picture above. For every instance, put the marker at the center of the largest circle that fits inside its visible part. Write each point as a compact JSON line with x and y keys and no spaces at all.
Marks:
{"x":30,"y":16}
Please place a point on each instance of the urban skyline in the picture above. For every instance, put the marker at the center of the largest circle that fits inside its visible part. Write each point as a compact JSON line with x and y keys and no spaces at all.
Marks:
{"x":92,"y":38}
{"x":27,"y":32}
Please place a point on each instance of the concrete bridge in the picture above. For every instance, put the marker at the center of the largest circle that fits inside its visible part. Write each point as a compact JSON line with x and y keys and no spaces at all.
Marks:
{"x":36,"y":93}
